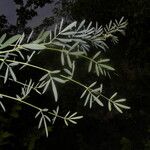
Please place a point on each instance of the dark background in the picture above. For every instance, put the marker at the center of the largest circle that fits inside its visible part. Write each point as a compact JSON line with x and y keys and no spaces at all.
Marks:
{"x":100,"y":129}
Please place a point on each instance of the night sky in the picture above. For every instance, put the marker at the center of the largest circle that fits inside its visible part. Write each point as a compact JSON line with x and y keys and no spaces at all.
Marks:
{"x":8,"y":8}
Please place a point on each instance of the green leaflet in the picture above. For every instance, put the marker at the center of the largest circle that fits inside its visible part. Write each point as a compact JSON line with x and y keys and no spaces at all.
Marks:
{"x":41,"y":37}
{"x":10,"y":41}
{"x":109,"y":106}
{"x":6,"y":75}
{"x":70,"y":26}
{"x":12,"y":74}
{"x":59,"y":80}
{"x":116,"y":103}
{"x":2,"y":106}
{"x":34,"y":46}
{"x":2,"y":38}
{"x":107,"y":67}
{"x":54,"y":90}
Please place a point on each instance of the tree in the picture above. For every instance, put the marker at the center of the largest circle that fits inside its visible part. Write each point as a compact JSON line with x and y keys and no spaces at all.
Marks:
{"x":72,"y":42}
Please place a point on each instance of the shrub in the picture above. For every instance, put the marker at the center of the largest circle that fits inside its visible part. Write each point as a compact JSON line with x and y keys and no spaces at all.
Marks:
{"x":72,"y":42}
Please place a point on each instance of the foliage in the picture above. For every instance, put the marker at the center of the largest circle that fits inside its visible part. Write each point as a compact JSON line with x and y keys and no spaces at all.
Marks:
{"x":72,"y":42}
{"x":131,"y":58}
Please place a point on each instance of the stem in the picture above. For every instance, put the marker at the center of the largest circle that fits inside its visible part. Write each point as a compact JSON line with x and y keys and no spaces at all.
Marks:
{"x":20,"y":100}
{"x":12,"y":50}
{"x":52,"y":49}
{"x":65,"y":51}
{"x":27,"y":64}
{"x":28,"y":104}
{"x":85,"y":57}
{"x":57,"y":50}
{"x":48,"y":71}
{"x":8,"y":51}
{"x":104,"y":97}
{"x":70,"y":79}
{"x":21,"y":83}
{"x":87,"y":88}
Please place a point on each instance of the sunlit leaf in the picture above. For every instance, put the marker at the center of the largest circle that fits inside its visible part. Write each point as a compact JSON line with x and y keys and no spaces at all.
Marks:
{"x":34,"y":46}
{"x":13,"y":64}
{"x":96,"y":55}
{"x":2,"y":38}
{"x":114,"y":95}
{"x":70,"y":26}
{"x":107,"y":67}
{"x":87,"y":99}
{"x":120,"y":100}
{"x":10,"y":41}
{"x":46,"y":86}
{"x":61,"y":25}
{"x":69,"y":61}
{"x":122,"y":106}
{"x":66,"y":122}
{"x":44,"y":77}
{"x":117,"y":108}
{"x":40,"y":123}
{"x":90,"y":66}
{"x":109,"y":105}
{"x":72,"y":121}
{"x":54,"y":91}
{"x":59,"y":80}
{"x":6,"y":75}
{"x":12,"y":74}
{"x":94,"y":83}
{"x":62,"y":58}
{"x":30,"y":36}
{"x":3,"y":107}
{"x":83,"y":94}
{"x":98,"y":101}
{"x":81,"y":25}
